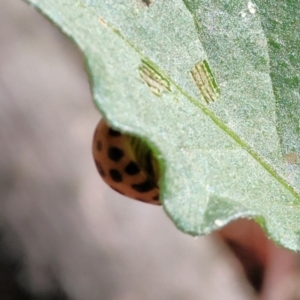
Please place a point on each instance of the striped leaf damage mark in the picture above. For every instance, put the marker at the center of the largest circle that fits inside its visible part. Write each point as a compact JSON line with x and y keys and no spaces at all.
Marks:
{"x":205,"y":81}
{"x":155,"y":81}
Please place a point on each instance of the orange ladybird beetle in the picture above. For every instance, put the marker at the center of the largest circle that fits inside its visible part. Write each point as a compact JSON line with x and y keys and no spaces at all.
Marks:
{"x":126,"y":164}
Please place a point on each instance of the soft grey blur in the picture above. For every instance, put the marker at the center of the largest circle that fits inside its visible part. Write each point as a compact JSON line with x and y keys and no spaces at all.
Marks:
{"x":64,"y":233}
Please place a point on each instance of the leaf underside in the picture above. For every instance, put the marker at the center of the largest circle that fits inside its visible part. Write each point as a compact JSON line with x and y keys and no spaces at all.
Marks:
{"x":213,"y":87}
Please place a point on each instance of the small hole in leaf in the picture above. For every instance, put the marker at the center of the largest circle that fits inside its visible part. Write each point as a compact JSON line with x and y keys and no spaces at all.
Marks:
{"x":147,"y":2}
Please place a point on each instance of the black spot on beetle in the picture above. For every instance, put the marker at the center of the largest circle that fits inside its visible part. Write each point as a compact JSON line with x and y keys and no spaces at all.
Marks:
{"x":144,"y":187}
{"x":113,"y":132}
{"x":115,"y":153}
{"x":115,"y":175}
{"x":99,"y":168}
{"x":132,"y":168}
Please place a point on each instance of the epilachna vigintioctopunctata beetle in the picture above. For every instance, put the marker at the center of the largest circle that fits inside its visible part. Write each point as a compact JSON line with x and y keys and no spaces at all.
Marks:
{"x":126,"y":164}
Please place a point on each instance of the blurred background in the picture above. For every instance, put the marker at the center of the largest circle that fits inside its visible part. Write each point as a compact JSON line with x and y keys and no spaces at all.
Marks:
{"x":63,"y":233}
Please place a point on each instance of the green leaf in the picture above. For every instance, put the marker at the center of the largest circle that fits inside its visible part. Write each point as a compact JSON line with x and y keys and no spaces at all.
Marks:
{"x":213,"y":87}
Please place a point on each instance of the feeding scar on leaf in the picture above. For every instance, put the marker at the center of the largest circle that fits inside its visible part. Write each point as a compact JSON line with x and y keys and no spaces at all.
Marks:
{"x":155,"y":81}
{"x":205,"y":81}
